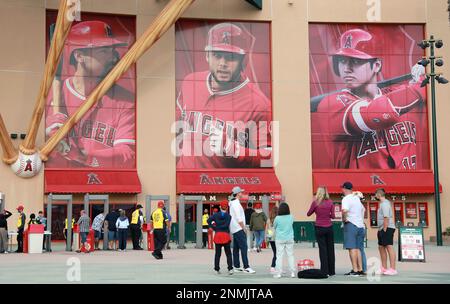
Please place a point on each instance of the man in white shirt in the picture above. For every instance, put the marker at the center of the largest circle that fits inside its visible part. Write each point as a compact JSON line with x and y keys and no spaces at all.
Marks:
{"x":237,"y":229}
{"x":353,"y":218}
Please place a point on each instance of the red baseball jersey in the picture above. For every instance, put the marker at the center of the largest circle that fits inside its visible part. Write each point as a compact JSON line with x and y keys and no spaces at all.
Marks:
{"x":106,"y":133}
{"x":373,"y":134}
{"x":242,"y":113}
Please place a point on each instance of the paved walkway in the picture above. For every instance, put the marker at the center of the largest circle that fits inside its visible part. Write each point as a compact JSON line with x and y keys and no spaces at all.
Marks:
{"x":192,"y":266}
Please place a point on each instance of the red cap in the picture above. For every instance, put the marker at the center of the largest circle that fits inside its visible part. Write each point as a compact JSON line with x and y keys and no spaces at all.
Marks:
{"x":161,"y":204}
{"x":356,"y":43}
{"x":91,"y":34}
{"x":20,"y":208}
{"x":224,"y":205}
{"x":258,"y":206}
{"x":228,"y":37}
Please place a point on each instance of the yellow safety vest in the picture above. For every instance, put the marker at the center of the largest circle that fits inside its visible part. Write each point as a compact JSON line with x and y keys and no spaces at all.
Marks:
{"x":158,"y":219}
{"x":205,"y":219}
{"x":19,"y":221}
{"x":65,"y":223}
{"x":135,"y":216}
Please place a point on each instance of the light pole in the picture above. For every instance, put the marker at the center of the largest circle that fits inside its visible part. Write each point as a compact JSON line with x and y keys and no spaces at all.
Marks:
{"x":432,"y":43}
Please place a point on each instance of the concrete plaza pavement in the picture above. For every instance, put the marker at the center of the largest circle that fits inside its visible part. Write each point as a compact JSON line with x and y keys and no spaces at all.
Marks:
{"x":194,"y":266}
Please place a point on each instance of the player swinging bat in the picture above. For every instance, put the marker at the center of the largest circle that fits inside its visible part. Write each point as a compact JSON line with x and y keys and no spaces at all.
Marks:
{"x":362,"y":127}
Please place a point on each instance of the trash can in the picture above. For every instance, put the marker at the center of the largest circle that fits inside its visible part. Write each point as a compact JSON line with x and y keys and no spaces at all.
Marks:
{"x":76,"y":237}
{"x":145,"y":236}
{"x":35,"y":238}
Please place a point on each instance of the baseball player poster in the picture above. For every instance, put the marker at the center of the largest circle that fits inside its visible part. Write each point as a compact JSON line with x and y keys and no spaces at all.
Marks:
{"x":368,"y":110}
{"x":105,"y":136}
{"x":223,"y":95}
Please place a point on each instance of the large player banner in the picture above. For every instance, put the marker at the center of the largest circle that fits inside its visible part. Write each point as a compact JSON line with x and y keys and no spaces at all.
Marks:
{"x":223,"y":104}
{"x":367,"y":108}
{"x":105,"y":137}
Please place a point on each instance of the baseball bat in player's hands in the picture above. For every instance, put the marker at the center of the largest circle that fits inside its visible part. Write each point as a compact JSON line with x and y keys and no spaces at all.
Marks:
{"x":9,"y":152}
{"x":62,"y":29}
{"x":159,"y":26}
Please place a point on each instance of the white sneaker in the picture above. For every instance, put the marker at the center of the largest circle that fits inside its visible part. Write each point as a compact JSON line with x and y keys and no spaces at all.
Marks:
{"x":277,"y":276}
{"x":217,"y":271}
{"x":293,"y":275}
{"x":249,"y":270}
{"x":230,"y":272}
{"x":273,"y":270}
{"x":239,"y":269}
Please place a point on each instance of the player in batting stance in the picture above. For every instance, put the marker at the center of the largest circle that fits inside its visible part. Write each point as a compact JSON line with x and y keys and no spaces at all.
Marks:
{"x":369,"y":129}
{"x":105,"y":136}
{"x":224,"y":117}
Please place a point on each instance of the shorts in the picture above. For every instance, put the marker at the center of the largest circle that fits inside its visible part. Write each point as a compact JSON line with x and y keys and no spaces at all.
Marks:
{"x":112,"y":236}
{"x":353,"y":236}
{"x":83,"y":236}
{"x":386,"y":238}
{"x":98,"y":235}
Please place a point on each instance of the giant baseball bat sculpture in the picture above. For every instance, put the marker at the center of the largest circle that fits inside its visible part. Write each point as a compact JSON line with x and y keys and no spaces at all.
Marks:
{"x":9,"y":152}
{"x":62,"y":29}
{"x":168,"y":16}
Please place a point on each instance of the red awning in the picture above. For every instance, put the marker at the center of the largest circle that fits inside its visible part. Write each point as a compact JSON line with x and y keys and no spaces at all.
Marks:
{"x":368,"y":182}
{"x":214,"y":181}
{"x":91,"y":181}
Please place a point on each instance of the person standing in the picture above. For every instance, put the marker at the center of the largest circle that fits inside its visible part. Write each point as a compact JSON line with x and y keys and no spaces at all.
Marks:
{"x":4,"y":230}
{"x":205,"y":218}
{"x":220,"y":223}
{"x":271,"y":237}
{"x":237,"y":228}
{"x":258,"y":221}
{"x":110,"y":223}
{"x":159,"y":221}
{"x":32,"y":220}
{"x":323,"y":207}
{"x":122,"y":224}
{"x":84,"y":224}
{"x":135,"y":227}
{"x":168,"y":227}
{"x":386,"y":230}
{"x":354,"y":232}
{"x":250,"y":236}
{"x":284,"y":231}
{"x":20,"y":228}
{"x":97,"y":226}
{"x":66,"y":230}
{"x":41,"y":219}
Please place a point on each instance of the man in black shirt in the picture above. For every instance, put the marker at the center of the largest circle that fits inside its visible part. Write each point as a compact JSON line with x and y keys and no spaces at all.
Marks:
{"x":4,"y":230}
{"x":248,"y":214}
{"x":110,"y":223}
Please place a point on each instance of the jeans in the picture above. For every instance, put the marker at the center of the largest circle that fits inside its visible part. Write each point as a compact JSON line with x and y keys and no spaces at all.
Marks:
{"x":274,"y":250}
{"x":240,"y":243}
{"x":361,"y":236}
{"x":123,"y":234}
{"x":249,"y":237}
{"x":288,"y":247}
{"x":259,"y":237}
{"x":3,"y":240}
{"x":325,"y":240}
{"x":219,"y":253}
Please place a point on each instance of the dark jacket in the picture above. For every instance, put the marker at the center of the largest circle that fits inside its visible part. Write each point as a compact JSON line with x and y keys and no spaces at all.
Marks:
{"x":3,"y":218}
{"x":248,"y":213}
{"x":222,"y":222}
{"x":258,"y":221}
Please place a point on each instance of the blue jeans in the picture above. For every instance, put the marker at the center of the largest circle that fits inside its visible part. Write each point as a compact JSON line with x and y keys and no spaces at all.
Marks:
{"x":361,"y":235}
{"x":259,"y":237}
{"x":240,"y":243}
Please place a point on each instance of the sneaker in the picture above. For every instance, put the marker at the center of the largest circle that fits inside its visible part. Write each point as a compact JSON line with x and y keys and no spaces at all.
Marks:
{"x":156,"y":256}
{"x":293,"y":275}
{"x":230,"y":272}
{"x":352,"y":274}
{"x":382,"y":270}
{"x":217,"y":271}
{"x":391,"y":272}
{"x":249,"y":270}
{"x":277,"y":276}
{"x":238,"y":269}
{"x":362,"y":273}
{"x":273,"y":270}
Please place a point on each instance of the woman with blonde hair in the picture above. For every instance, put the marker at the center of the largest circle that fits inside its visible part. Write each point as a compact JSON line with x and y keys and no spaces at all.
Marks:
{"x":323,"y":207}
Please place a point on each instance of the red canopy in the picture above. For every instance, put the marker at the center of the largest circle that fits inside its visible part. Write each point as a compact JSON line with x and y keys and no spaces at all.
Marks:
{"x":368,"y":182}
{"x":214,"y":181}
{"x":91,"y":181}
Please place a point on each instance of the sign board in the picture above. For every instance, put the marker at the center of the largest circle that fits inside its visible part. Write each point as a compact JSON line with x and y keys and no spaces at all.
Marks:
{"x":411,"y":210}
{"x":411,"y":246}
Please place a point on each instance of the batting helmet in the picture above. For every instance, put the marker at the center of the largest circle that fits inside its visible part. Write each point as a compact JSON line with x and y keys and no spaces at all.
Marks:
{"x":228,"y":37}
{"x":90,"y":34}
{"x":355,"y":43}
